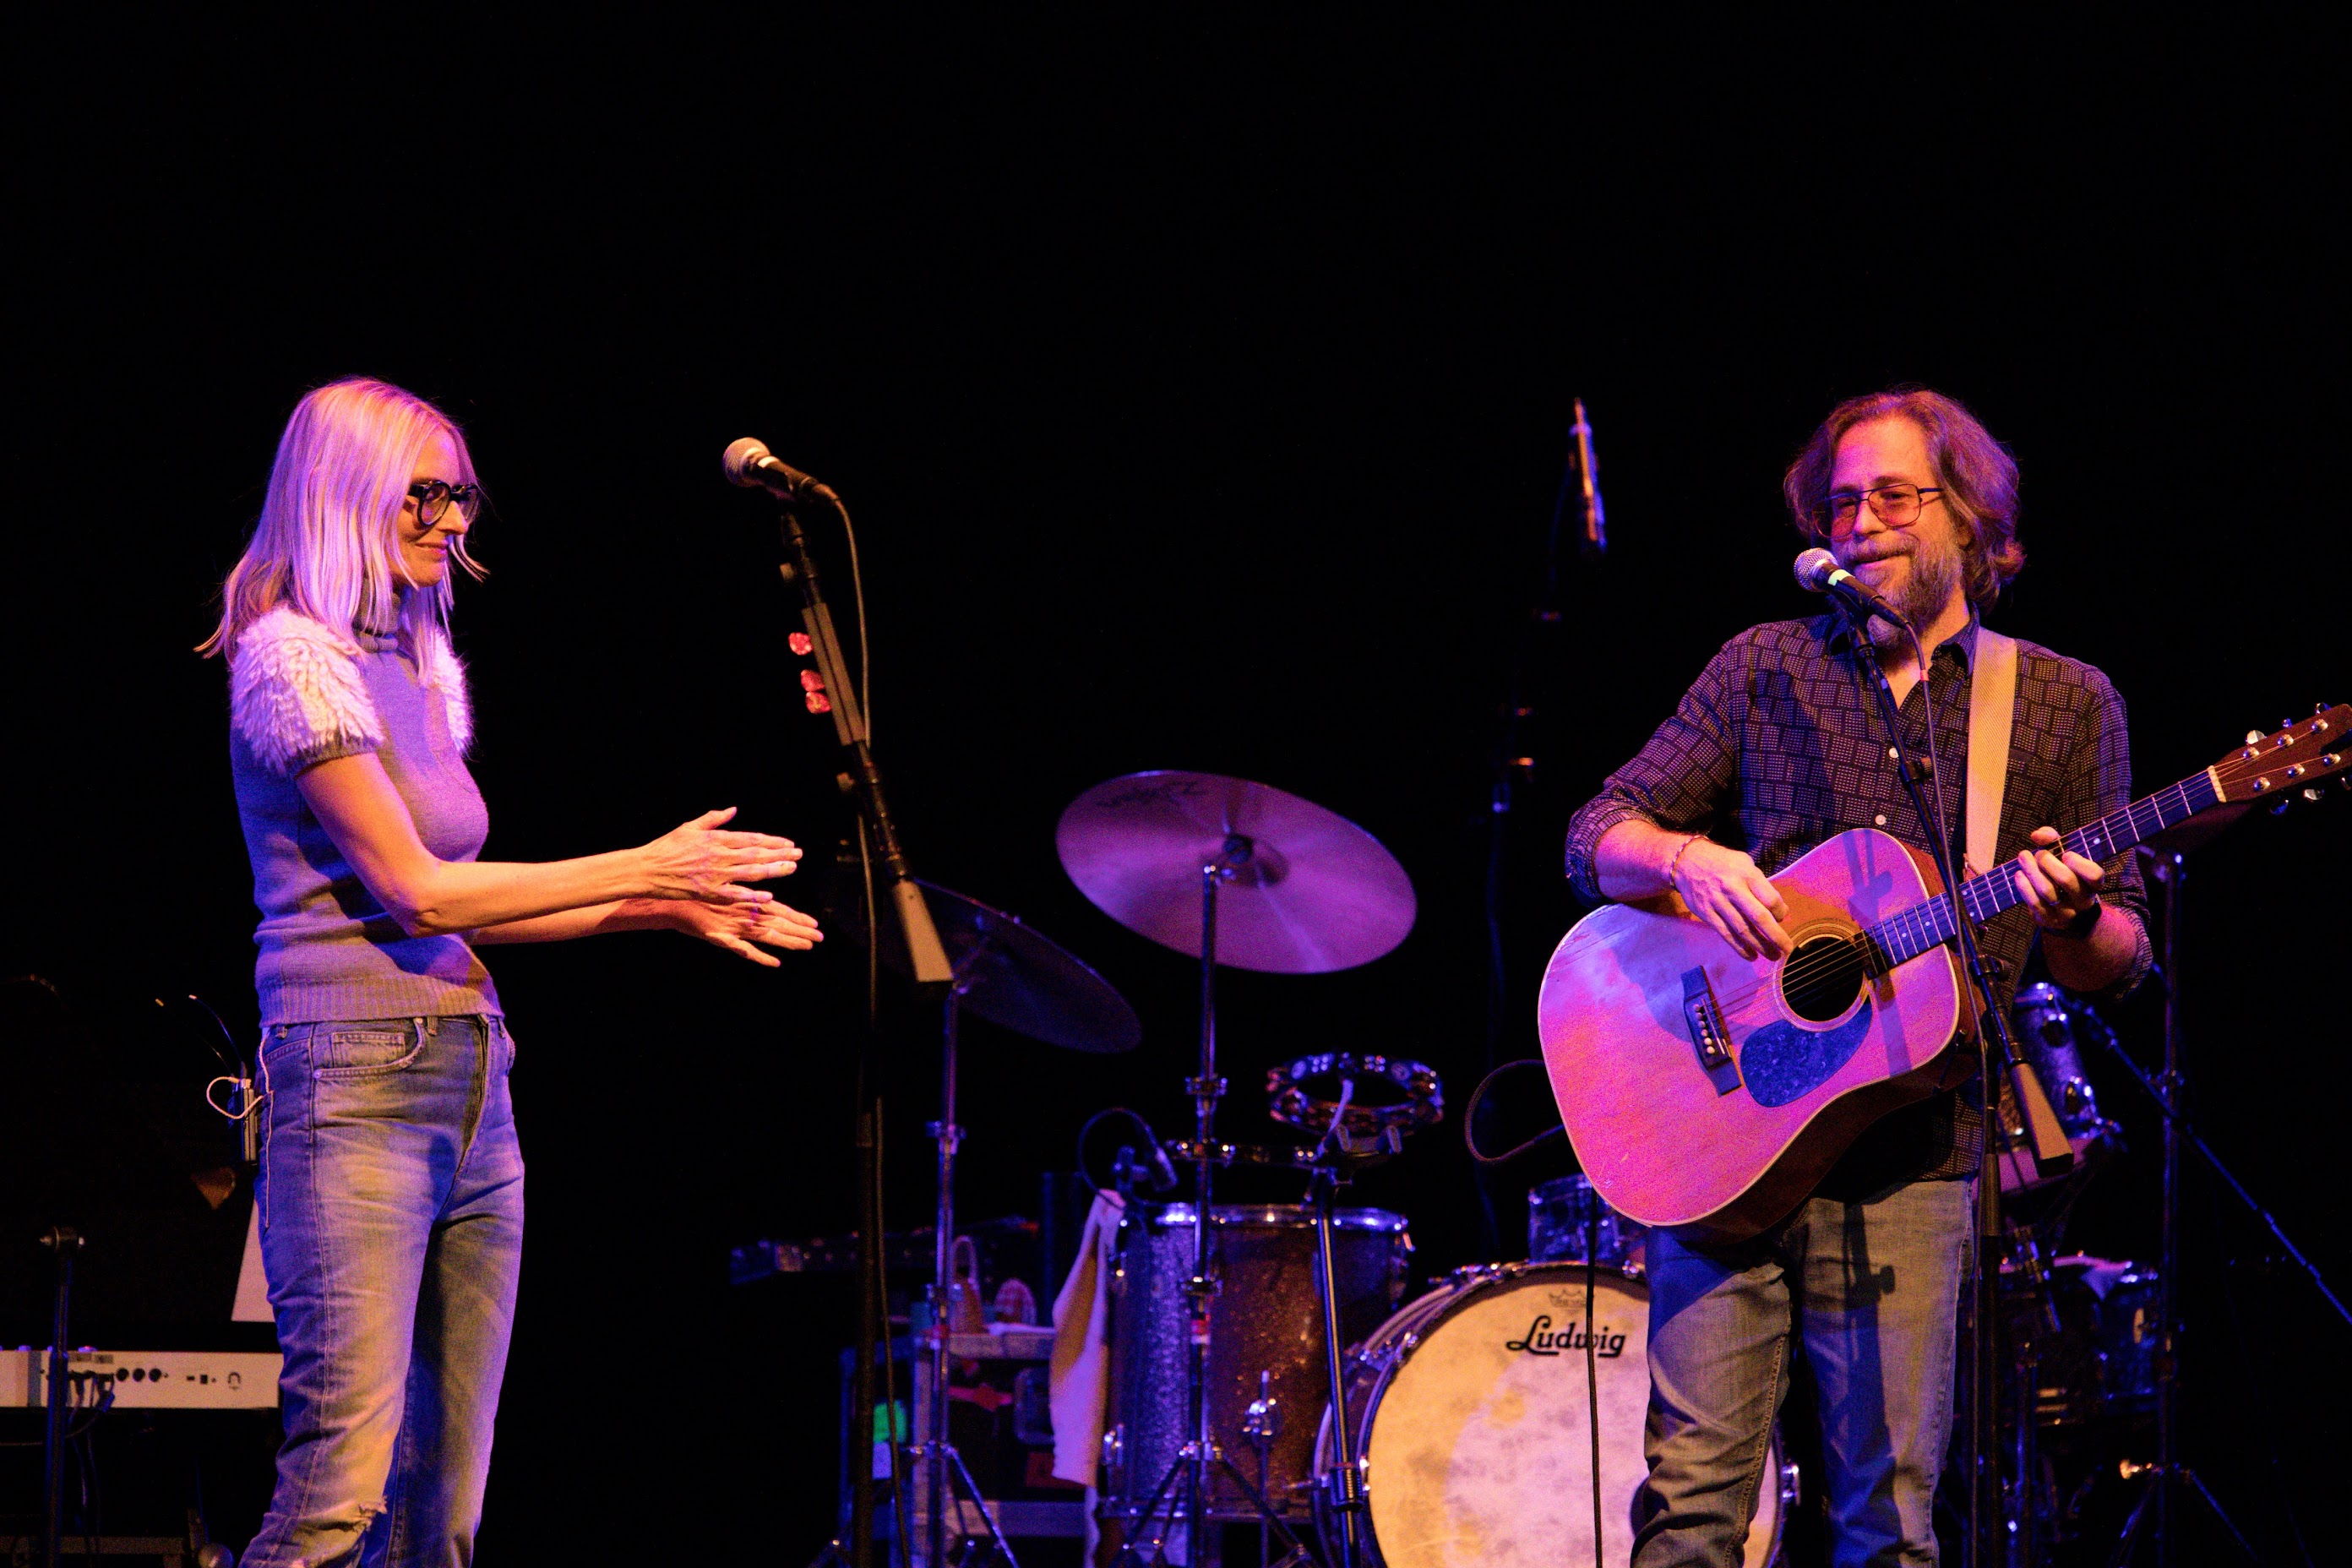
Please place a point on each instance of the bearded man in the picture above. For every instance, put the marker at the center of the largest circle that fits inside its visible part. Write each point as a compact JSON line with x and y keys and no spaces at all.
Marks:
{"x":1777,"y":747}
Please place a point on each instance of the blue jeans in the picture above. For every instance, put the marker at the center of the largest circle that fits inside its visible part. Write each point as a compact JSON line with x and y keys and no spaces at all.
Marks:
{"x":1871,"y":1293}
{"x":391,"y":1197}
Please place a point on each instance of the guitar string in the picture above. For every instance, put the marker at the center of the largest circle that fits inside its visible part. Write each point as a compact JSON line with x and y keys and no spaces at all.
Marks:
{"x":1923,"y":924}
{"x":1986,"y":896}
{"x":1920,"y":923}
{"x":1921,"y":928}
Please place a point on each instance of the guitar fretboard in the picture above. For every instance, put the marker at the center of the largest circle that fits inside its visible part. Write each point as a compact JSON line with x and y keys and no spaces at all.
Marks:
{"x":1929,"y":925}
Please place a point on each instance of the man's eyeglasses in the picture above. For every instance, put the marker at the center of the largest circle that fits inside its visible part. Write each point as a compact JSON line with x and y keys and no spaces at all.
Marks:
{"x":1895,"y":505}
{"x":433,"y":498}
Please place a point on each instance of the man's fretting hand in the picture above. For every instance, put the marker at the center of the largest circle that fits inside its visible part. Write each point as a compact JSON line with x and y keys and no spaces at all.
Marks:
{"x":2059,"y":887}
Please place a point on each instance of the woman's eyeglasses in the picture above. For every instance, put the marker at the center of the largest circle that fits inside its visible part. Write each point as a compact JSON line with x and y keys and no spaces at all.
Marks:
{"x":433,"y":498}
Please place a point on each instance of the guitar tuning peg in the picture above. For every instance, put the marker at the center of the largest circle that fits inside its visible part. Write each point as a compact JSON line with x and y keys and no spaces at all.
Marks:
{"x":2252,"y":736}
{"x":2280,"y":809}
{"x":2311,"y":792}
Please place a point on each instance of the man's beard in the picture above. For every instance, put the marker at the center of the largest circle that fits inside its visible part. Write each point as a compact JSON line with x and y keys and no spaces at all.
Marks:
{"x":1927,"y":586}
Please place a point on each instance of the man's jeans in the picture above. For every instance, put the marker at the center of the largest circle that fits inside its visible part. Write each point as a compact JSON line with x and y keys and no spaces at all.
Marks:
{"x":1871,"y":1291}
{"x":391,"y":1196}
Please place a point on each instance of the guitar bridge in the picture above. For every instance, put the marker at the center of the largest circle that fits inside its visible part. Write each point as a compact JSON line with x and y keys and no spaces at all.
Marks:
{"x":1708,"y":1036}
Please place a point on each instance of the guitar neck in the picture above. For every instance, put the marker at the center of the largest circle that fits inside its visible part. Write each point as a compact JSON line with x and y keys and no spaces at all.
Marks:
{"x":1929,"y":925}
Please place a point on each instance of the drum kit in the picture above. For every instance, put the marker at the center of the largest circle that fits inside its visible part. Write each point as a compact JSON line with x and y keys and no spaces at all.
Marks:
{"x":1265,"y":1366}
{"x":1261,"y":1371}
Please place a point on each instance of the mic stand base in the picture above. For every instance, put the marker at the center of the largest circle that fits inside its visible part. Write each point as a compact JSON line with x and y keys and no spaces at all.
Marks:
{"x":2158,"y":1481}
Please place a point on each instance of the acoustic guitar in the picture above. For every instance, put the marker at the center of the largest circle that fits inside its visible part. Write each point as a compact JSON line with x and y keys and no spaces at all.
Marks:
{"x":1711,"y":1094}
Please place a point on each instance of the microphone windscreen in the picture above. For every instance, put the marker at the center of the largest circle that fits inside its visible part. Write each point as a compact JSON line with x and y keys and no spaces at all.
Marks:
{"x":1814,"y":570}
{"x":741,"y":458}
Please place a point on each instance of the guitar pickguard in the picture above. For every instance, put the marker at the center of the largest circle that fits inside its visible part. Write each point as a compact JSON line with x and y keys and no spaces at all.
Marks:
{"x":1783,"y":1063}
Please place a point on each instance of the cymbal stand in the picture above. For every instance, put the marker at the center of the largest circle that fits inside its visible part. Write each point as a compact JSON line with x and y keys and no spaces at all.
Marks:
{"x":937,"y":1453}
{"x":1231,"y":861}
{"x":1200,"y":1288}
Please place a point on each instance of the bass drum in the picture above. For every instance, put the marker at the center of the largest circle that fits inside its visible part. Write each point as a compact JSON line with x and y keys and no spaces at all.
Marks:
{"x":1468,"y":1409}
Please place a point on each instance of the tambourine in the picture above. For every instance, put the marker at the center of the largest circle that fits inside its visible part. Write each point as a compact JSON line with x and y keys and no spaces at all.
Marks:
{"x":1389,"y":1093}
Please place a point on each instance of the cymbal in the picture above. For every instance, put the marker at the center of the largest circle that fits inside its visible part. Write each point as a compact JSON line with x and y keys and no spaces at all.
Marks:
{"x":1023,"y":980}
{"x":1310,"y":892}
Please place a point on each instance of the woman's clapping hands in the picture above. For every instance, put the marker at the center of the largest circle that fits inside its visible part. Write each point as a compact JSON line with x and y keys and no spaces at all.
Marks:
{"x":703,"y":862}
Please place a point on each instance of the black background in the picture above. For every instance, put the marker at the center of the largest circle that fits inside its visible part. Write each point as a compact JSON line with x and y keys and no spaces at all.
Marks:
{"x":1201,"y":394}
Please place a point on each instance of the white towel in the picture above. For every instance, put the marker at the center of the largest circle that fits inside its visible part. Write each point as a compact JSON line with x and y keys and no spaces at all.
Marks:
{"x":1080,"y":1377}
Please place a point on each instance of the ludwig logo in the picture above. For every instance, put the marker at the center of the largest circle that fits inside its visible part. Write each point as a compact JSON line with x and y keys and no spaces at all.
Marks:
{"x":1542,"y":1338}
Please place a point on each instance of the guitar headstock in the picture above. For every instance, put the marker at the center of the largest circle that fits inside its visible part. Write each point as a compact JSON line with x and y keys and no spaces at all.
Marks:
{"x":2290,"y":760}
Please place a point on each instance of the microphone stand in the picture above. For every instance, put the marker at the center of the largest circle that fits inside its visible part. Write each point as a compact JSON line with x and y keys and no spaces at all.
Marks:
{"x":862,"y":780}
{"x":1983,"y":1444}
{"x":1512,"y":769}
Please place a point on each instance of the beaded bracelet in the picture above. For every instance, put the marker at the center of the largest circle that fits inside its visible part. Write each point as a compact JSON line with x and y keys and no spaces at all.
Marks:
{"x":1678,"y":856}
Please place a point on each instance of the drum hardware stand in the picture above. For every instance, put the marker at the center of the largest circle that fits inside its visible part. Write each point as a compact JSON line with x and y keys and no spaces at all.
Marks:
{"x":2021,"y":1515}
{"x":2159,"y":1479}
{"x":1261,"y":1423}
{"x":939,"y":1454}
{"x":936,"y":1455}
{"x":1995,"y":1047}
{"x":1199,"y":1451}
{"x":63,"y":1241}
{"x":1348,"y":1480}
{"x":1201,"y":1288}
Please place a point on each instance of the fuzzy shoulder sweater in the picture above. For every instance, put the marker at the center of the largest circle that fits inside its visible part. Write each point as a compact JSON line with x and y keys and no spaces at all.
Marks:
{"x":301,"y":693}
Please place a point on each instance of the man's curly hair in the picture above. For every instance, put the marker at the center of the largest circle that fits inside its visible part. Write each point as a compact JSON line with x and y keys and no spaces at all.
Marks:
{"x":1977,"y":475}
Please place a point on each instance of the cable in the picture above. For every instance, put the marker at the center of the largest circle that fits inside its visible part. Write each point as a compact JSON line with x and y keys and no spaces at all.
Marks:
{"x":1150,"y":1134}
{"x":857,"y":596}
{"x":1470,"y":1118}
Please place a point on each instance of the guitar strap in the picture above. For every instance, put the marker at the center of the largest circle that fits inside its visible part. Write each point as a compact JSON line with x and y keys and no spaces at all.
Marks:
{"x":1993,"y":703}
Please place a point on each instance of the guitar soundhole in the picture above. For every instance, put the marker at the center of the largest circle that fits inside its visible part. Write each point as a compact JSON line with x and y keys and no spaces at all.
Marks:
{"x":1822,"y":978}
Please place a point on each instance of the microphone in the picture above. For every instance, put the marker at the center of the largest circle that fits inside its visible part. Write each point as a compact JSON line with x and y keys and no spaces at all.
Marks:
{"x":1596,"y":525}
{"x":748,"y":463}
{"x":1818,"y":572}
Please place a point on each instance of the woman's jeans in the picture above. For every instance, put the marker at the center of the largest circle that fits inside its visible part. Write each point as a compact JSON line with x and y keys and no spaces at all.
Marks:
{"x":1870,"y":1292}
{"x":391,"y":1198}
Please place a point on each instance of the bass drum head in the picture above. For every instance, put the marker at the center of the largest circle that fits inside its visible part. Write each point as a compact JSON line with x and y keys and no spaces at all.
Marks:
{"x":1476,"y":1438}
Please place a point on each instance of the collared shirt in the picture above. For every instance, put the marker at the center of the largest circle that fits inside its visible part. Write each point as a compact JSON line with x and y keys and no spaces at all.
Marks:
{"x":1779,"y":745}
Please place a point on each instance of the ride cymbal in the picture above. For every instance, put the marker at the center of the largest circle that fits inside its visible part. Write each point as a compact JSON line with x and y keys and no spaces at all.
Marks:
{"x":1309,"y":891}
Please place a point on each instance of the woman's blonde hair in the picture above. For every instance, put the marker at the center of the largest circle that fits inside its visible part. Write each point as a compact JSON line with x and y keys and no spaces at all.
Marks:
{"x":328,"y":541}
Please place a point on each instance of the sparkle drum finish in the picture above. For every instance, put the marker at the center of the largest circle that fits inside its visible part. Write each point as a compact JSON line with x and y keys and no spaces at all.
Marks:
{"x":1266,"y":1321}
{"x":2050,"y":1025}
{"x":1470,"y":1409}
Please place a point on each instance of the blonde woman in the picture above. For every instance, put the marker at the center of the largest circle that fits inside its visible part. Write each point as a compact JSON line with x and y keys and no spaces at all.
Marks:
{"x":391,"y":1183}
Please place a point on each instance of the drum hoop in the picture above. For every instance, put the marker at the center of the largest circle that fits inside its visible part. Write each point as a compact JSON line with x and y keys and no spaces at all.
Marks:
{"x":1281,"y":1216}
